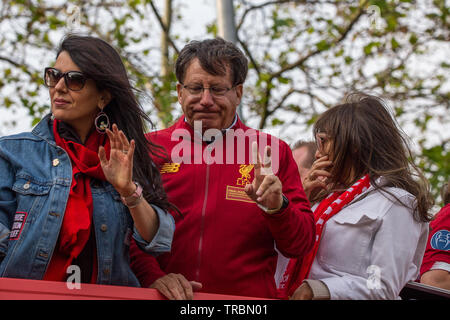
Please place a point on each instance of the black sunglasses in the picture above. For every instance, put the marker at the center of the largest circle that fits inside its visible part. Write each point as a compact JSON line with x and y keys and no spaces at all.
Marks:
{"x":74,"y":80}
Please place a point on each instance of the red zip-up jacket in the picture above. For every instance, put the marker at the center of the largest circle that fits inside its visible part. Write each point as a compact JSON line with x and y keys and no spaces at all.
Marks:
{"x":222,"y":238}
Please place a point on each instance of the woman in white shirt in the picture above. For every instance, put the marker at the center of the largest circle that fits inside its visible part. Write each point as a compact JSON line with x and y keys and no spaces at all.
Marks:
{"x":370,"y":204}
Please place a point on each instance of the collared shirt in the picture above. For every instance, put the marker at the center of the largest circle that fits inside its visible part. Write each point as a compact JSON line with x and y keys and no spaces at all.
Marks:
{"x":213,"y":138}
{"x":371,"y":248}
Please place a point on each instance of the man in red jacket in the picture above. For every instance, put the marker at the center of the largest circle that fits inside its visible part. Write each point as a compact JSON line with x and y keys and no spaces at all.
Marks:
{"x":435,"y":269}
{"x":238,"y":190}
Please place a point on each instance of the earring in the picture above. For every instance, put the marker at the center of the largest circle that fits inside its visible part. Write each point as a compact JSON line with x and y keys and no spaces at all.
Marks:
{"x":101,"y":122}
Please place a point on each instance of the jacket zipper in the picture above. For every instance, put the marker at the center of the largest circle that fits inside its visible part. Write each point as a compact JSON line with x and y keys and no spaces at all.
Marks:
{"x":200,"y":242}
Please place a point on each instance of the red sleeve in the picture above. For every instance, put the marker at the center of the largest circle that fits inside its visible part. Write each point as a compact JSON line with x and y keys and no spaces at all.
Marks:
{"x":145,"y":266}
{"x":293,"y":229}
{"x":438,"y":246}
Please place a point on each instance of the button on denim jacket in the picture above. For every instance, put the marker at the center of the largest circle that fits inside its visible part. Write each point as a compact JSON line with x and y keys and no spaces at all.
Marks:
{"x":35,"y":179}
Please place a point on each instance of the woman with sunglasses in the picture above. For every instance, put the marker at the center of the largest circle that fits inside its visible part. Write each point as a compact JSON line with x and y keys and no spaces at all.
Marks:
{"x":75,"y":190}
{"x":370,"y":205}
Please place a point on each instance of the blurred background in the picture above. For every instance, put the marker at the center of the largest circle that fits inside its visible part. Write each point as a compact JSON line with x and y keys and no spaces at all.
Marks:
{"x":304,"y":56}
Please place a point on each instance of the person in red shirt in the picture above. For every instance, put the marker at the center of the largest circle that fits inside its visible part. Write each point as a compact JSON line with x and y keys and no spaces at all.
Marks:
{"x":238,"y":190}
{"x":435,"y":269}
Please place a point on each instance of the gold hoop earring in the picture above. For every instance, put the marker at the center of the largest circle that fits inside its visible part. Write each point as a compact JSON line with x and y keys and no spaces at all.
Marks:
{"x":101,"y":122}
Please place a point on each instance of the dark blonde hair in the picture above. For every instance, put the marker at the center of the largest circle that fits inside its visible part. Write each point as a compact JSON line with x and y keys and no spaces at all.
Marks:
{"x":367,"y":140}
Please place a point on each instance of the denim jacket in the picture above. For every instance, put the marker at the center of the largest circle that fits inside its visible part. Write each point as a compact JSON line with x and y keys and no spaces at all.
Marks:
{"x":35,"y":180}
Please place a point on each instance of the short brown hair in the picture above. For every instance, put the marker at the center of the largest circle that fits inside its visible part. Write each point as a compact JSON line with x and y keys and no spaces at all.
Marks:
{"x":214,"y":55}
{"x":312,"y":147}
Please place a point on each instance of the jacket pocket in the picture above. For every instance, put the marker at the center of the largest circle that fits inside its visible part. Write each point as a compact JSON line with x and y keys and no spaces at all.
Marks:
{"x":28,"y":186}
{"x":346,"y":241}
{"x":31,"y":196}
{"x":351,"y":218}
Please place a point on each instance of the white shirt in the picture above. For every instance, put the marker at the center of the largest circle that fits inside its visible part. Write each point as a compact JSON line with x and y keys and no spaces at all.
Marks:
{"x":371,"y":248}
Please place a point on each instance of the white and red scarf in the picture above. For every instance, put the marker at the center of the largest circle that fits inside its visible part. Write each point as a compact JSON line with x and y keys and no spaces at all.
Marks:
{"x":298,"y":269}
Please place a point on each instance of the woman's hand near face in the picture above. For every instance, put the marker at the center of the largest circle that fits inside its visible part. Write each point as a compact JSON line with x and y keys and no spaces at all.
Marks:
{"x":118,"y":169}
{"x":317,"y":176}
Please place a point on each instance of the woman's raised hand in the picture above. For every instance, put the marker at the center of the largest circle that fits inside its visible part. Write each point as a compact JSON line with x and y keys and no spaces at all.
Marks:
{"x":118,"y":169}
{"x":317,"y":176}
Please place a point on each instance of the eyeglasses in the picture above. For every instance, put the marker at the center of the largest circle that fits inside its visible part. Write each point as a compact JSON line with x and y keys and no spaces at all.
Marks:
{"x":74,"y":80}
{"x":321,"y":139}
{"x":197,"y":90}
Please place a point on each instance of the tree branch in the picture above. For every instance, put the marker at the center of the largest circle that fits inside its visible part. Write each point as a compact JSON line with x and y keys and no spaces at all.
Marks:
{"x":17,"y":65}
{"x":303,"y":59}
{"x":249,"y":55}
{"x":269,"y":3}
{"x":163,"y":27}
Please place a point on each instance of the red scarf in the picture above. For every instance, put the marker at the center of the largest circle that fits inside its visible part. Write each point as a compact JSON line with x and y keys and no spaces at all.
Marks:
{"x":298,"y":269}
{"x":76,"y":225}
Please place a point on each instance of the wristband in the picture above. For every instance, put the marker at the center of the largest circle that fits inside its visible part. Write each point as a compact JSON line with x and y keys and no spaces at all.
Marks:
{"x":284,"y":204}
{"x":133,"y":200}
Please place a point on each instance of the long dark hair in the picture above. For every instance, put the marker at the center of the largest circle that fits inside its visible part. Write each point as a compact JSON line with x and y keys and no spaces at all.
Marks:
{"x":365,"y":139}
{"x":100,"y":62}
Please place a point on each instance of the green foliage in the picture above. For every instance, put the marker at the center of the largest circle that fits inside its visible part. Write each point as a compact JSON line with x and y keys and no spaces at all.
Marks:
{"x":435,"y":163}
{"x":307,"y":52}
{"x":304,"y":57}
